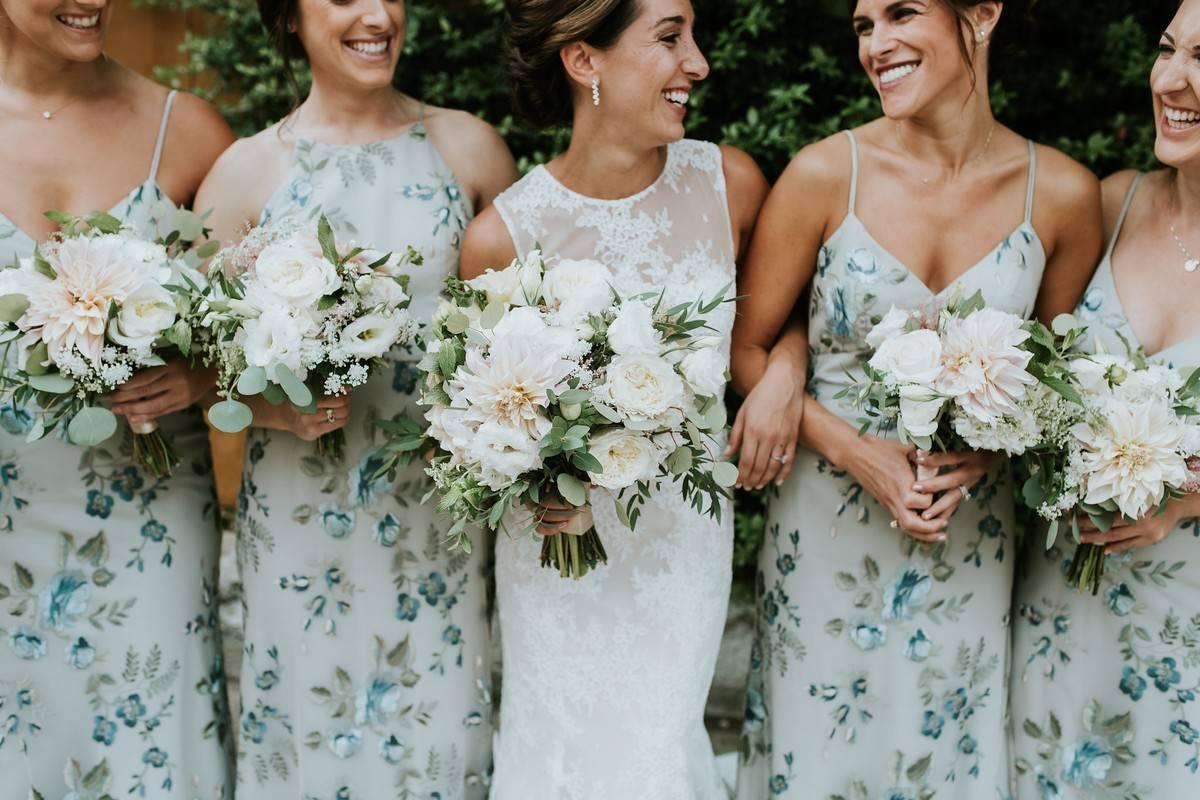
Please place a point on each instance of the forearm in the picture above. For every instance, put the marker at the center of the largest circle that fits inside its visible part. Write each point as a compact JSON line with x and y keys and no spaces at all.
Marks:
{"x":789,"y":353}
{"x":824,"y":432}
{"x":1186,"y":507}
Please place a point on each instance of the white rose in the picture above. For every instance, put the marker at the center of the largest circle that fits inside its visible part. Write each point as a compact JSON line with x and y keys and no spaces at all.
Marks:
{"x":275,"y":337}
{"x":529,"y":280}
{"x":705,"y":371}
{"x":385,"y":291}
{"x":295,"y":273}
{"x":891,"y":326}
{"x":625,"y":457}
{"x":370,"y":336}
{"x":919,"y":410}
{"x":633,"y":330}
{"x":643,"y":388}
{"x":528,"y":324}
{"x":914,"y":357}
{"x":498,"y":285}
{"x":449,"y":428}
{"x":503,"y":454}
{"x":578,"y":289}
{"x":142,"y":317}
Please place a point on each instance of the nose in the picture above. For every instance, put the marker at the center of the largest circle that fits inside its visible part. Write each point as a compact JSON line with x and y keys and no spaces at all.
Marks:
{"x":881,"y":42}
{"x":375,"y":13}
{"x":1172,"y":76}
{"x":695,"y":65}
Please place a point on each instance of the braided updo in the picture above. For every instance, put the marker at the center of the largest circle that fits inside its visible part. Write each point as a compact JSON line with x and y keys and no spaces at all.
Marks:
{"x":538,"y":31}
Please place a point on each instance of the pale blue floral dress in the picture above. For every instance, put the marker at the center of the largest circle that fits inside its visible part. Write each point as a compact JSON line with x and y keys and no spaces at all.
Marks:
{"x":365,"y":673}
{"x":879,"y":669}
{"x":111,"y":680}
{"x":1104,"y":689}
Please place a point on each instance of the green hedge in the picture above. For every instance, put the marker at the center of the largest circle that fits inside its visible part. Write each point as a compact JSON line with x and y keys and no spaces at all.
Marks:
{"x":1070,"y":73}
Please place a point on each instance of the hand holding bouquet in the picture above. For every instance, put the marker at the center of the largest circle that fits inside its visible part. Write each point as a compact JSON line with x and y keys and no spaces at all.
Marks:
{"x":290,"y":314}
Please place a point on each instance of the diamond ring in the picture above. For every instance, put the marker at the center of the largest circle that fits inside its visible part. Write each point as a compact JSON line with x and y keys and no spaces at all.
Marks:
{"x":329,"y":416}
{"x":965,"y":492}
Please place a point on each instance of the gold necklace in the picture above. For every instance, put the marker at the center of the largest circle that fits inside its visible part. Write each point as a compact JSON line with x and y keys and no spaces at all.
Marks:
{"x":987,"y":144}
{"x":49,"y":113}
{"x":1190,"y":262}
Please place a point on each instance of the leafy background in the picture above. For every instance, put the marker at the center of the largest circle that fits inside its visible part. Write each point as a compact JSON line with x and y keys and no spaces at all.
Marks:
{"x":1070,"y":73}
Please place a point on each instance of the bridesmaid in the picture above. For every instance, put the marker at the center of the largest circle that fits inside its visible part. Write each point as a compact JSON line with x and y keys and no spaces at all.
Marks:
{"x":1104,"y":689}
{"x":110,"y":661}
{"x":883,"y":604}
{"x":366,"y":671}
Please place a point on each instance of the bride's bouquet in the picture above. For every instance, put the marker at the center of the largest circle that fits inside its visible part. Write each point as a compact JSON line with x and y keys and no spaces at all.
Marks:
{"x":1129,"y":444}
{"x":91,"y":307}
{"x":289,"y":315}
{"x":543,"y":380}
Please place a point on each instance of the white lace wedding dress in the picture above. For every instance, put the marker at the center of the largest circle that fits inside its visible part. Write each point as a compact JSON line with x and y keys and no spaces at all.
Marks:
{"x":606,"y":678}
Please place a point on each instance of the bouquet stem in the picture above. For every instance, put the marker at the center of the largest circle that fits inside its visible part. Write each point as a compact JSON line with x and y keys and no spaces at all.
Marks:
{"x":573,"y":555}
{"x":1087,"y":568}
{"x":332,"y":446}
{"x":151,"y":451}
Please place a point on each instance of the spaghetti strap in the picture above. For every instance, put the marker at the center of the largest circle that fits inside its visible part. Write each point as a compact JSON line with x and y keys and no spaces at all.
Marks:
{"x":1112,"y":242}
{"x":853,"y":170}
{"x":162,"y":134}
{"x":1032,"y":181}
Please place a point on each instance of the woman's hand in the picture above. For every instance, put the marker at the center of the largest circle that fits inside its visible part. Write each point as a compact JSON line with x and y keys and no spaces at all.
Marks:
{"x":1150,"y":530}
{"x":555,"y":515}
{"x":158,"y":391}
{"x":766,"y":428}
{"x":964,"y":471}
{"x":884,"y":467}
{"x":332,"y":414}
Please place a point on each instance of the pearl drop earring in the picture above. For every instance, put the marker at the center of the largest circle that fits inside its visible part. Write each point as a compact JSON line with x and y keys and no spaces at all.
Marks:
{"x":981,"y":35}
{"x":595,"y":91}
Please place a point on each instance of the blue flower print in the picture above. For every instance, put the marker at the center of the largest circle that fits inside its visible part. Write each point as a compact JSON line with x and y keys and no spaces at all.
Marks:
{"x":378,"y":702}
{"x":300,"y":191}
{"x":155,"y":758}
{"x":131,"y":710}
{"x":81,"y":654}
{"x":862,"y":264}
{"x":919,"y":647}
{"x":1164,"y":674}
{"x":770,"y":608}
{"x":967,"y":744}
{"x":338,"y":523}
{"x":27,"y":644}
{"x":253,"y":728}
{"x":1048,"y":788}
{"x":127,"y":483}
{"x":346,"y":744}
{"x":387,"y":531}
{"x":1120,"y":600}
{"x":1186,"y":733}
{"x":1062,"y":624}
{"x":778,"y":784}
{"x":363,"y":490}
{"x":1086,"y":764}
{"x":932,"y":725}
{"x":756,"y":710}
{"x":154,"y":530}
{"x":452,"y":635}
{"x":824,"y":260}
{"x":1185,"y":695}
{"x":868,"y":636}
{"x":432,"y":588}
{"x":956,"y":703}
{"x":907,"y":593}
{"x":8,"y":474}
{"x":64,"y":601}
{"x":99,"y":504}
{"x":786,"y":564}
{"x":899,"y":794}
{"x":391,"y":750}
{"x":16,"y":419}
{"x":266,"y":680}
{"x":407,"y":607}
{"x":404,"y":378}
{"x":840,"y":308}
{"x":1132,"y":684}
{"x":104,"y":730}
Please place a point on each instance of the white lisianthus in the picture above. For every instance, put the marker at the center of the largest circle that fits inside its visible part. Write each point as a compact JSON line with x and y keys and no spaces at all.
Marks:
{"x":705,"y":371}
{"x":275,"y":337}
{"x":503,"y":453}
{"x":890,"y":327}
{"x":633,"y":331}
{"x":914,"y":357}
{"x":371,"y":336}
{"x":983,"y":365}
{"x":643,"y":388}
{"x":142,"y":317}
{"x":626,"y":458}
{"x":919,"y":409}
{"x":578,"y":289}
{"x":295,"y":274}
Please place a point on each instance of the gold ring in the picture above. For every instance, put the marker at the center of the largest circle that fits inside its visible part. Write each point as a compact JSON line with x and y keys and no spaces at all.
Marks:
{"x":329,"y":416}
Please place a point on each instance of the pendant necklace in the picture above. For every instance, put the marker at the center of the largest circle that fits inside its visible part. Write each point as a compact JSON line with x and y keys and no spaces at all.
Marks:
{"x":926,"y":181}
{"x":1190,"y":262}
{"x":48,"y":114}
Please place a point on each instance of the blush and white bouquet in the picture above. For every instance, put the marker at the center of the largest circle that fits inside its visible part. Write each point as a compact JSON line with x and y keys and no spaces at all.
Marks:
{"x":91,"y":307}
{"x":289,"y":315}
{"x":542,"y":380}
{"x":1129,"y":443}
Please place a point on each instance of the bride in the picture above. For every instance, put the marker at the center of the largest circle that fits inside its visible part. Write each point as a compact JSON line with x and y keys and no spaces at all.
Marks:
{"x":605,"y":678}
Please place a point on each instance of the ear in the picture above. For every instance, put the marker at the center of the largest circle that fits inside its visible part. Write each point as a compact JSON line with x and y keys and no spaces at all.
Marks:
{"x":579,"y":60}
{"x":985,"y":17}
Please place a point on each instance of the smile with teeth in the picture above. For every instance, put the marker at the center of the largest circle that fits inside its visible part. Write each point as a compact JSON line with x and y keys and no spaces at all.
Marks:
{"x":1181,"y":119}
{"x":895,"y":74}
{"x":82,"y":23}
{"x":369,"y":48}
{"x":677,"y":97}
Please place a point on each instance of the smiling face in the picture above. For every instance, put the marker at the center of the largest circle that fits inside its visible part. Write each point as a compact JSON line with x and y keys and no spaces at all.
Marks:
{"x":1175,"y":81}
{"x":912,"y":50}
{"x":647,"y":76}
{"x":357,"y":41}
{"x":73,"y":30}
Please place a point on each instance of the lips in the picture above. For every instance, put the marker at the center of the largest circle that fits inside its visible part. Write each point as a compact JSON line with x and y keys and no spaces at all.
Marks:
{"x":370,"y":48}
{"x":677,"y":97}
{"x":80,"y":22}
{"x":1181,"y":119}
{"x":891,"y":76}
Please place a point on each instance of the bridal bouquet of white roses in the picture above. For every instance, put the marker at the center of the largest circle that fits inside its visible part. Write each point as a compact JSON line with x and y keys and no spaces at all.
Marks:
{"x":542,"y":380}
{"x":288,"y":315}
{"x":92,"y":306}
{"x":1129,"y":443}
{"x":964,"y":377}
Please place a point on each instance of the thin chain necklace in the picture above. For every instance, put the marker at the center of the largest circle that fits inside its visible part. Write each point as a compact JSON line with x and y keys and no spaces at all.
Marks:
{"x":48,"y":114}
{"x":926,"y":181}
{"x":1190,"y":262}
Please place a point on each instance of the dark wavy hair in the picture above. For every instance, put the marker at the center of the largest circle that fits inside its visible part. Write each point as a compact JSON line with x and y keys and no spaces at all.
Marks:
{"x":276,"y":16}
{"x":538,"y":31}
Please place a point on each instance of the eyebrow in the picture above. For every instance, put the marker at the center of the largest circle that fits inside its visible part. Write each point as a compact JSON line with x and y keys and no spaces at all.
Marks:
{"x":669,"y":21}
{"x":891,"y":7}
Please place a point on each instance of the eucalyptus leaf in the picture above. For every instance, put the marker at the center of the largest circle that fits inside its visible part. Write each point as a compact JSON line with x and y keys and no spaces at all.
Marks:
{"x":91,"y":426}
{"x":189,"y":224}
{"x":491,"y":316}
{"x":35,"y":359}
{"x":252,"y":381}
{"x":230,"y":416}
{"x":13,"y":307}
{"x":725,"y":474}
{"x":572,"y":489}
{"x":52,"y":383}
{"x":457,"y":323}
{"x":298,"y":394}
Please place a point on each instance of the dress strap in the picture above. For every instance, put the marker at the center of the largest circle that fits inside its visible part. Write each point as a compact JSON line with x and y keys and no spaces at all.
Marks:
{"x":1032,"y":181}
{"x":1112,"y":242}
{"x":853,"y":170}
{"x":162,"y":134}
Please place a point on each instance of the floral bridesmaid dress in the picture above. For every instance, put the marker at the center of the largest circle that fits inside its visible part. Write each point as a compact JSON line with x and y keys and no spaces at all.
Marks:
{"x":365,"y":673}
{"x":111,"y":681}
{"x":1104,"y":689}
{"x":879,"y":668}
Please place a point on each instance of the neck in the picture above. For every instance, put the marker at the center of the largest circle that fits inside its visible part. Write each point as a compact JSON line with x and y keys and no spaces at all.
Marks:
{"x":31,"y":74}
{"x":346,"y":114}
{"x":1184,"y":194}
{"x":952,"y":134}
{"x":605,"y":165}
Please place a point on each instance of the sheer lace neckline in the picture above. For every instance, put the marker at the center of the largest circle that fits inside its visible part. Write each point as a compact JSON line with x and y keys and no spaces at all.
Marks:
{"x":668,"y":164}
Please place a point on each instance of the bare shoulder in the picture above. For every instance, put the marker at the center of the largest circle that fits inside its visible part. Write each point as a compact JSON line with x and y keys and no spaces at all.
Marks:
{"x":742,"y":173}
{"x":459,"y":129}
{"x":243,"y":177}
{"x":487,"y":245}
{"x":474,"y":151}
{"x":823,"y":166}
{"x":196,"y":135}
{"x":1065,"y":185}
{"x":1115,"y":189}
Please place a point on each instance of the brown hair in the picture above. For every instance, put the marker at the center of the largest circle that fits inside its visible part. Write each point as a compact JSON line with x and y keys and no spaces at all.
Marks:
{"x":277,"y":16}
{"x":538,"y":31}
{"x":959,"y":8}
